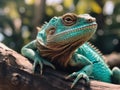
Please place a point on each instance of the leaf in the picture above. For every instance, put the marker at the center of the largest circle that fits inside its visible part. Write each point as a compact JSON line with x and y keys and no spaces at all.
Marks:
{"x":68,"y":3}
{"x":49,"y":11}
{"x":82,"y":7}
{"x":95,"y":7}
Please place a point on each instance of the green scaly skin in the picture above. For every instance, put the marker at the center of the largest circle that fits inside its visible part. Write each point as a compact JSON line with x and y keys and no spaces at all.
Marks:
{"x":63,"y":40}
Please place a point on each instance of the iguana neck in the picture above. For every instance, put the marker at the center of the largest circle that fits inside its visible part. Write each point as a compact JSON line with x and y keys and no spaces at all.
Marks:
{"x":58,"y":53}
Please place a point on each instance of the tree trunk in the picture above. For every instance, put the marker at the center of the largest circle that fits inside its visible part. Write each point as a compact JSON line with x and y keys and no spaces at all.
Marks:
{"x":39,"y":13}
{"x":16,"y":74}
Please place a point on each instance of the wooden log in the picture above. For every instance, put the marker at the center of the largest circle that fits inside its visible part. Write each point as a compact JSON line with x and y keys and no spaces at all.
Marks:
{"x":16,"y":74}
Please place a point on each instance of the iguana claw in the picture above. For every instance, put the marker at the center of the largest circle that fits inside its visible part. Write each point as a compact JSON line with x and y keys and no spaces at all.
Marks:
{"x":35,"y":64}
{"x":40,"y":62}
{"x":48,"y":64}
{"x":78,"y":76}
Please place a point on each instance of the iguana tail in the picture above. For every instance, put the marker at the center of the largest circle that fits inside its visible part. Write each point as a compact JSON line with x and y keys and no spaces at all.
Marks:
{"x":116,"y":75}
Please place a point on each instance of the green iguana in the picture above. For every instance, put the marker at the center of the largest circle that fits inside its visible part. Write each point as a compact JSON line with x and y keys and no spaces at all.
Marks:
{"x":63,"y":40}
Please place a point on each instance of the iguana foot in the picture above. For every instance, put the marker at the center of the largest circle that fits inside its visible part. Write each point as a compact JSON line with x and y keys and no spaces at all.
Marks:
{"x":39,"y":61}
{"x":78,"y":75}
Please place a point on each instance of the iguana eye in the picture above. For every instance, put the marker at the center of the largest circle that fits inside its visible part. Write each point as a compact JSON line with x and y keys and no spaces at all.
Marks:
{"x":51,"y":31}
{"x":69,"y":19}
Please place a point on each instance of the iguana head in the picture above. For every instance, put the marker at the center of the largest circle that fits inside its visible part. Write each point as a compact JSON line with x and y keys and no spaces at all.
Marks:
{"x":69,"y":28}
{"x":61,"y":36}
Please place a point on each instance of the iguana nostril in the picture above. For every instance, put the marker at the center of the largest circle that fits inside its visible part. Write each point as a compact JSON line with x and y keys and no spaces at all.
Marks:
{"x":91,"y":20}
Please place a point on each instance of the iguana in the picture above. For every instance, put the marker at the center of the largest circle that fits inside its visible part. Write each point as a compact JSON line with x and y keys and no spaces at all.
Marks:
{"x":63,"y":40}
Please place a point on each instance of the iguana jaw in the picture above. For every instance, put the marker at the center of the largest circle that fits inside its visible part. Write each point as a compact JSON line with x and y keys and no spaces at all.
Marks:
{"x":75,"y":34}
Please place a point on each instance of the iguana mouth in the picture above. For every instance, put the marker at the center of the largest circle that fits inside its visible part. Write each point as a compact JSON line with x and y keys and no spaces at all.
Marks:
{"x":74,"y":34}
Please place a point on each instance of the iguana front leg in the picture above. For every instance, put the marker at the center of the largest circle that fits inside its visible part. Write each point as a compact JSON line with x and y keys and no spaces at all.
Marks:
{"x":85,"y":72}
{"x":31,"y":52}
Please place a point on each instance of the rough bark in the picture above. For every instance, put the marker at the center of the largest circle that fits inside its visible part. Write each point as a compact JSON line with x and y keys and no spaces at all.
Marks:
{"x":16,"y":74}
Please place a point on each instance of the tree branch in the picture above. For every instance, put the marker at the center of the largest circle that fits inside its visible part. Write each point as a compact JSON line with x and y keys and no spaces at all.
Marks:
{"x":16,"y":74}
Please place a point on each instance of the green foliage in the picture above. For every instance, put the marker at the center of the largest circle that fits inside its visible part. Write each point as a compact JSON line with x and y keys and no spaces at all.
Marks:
{"x":17,"y":18}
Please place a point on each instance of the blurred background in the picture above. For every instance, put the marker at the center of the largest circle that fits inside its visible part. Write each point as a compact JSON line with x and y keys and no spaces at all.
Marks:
{"x":19,"y":18}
